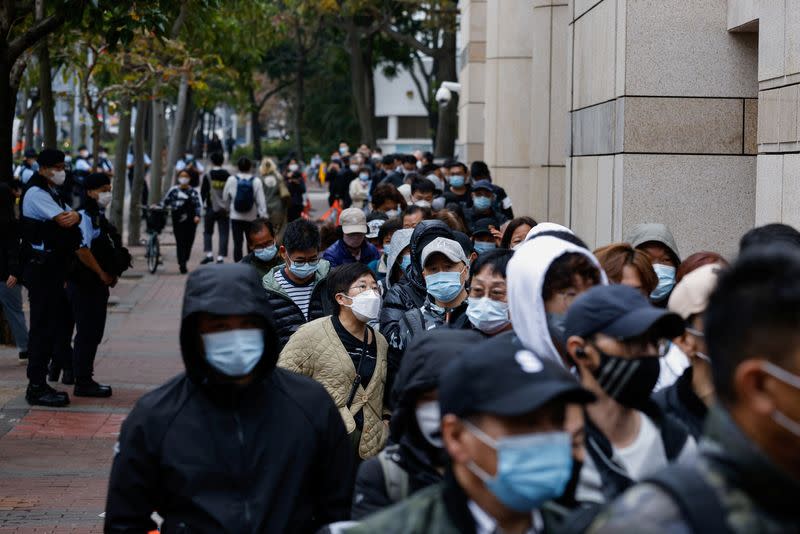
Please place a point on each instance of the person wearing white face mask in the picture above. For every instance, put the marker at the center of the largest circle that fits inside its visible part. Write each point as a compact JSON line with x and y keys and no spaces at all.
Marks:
{"x":186,"y":209}
{"x":234,"y":440}
{"x":348,"y":357}
{"x":102,"y":260}
{"x":488,"y":301}
{"x":415,"y":458}
{"x":50,"y":235}
{"x":359,"y":187}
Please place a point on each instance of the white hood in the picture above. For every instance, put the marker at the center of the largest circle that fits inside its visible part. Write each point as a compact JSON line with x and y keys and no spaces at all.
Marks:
{"x":525,"y":278}
{"x":547,"y":227}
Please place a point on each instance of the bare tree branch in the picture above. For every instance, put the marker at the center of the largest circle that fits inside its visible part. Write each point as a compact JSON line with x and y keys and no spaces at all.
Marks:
{"x":273,"y":92}
{"x":38,"y":31}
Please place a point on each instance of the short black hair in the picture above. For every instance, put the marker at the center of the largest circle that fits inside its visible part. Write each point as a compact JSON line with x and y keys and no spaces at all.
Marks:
{"x":423,"y":185}
{"x":428,"y":155}
{"x":479,"y":170}
{"x":562,"y":272}
{"x":301,"y":235}
{"x":409,"y":158}
{"x":217,"y":158}
{"x":257,"y":226}
{"x":496,"y":258}
{"x":389,"y":227}
{"x":342,"y":277}
{"x":387,"y":160}
{"x":505,"y":242}
{"x":384,"y":192}
{"x":768,"y":234}
{"x":753,"y":313}
{"x":451,"y":164}
{"x":244,"y":164}
{"x":413,"y":210}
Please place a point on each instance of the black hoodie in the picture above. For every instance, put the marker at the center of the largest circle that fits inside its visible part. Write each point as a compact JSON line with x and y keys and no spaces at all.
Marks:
{"x":408,"y":293}
{"x":272,"y":456}
{"x":424,"y":360}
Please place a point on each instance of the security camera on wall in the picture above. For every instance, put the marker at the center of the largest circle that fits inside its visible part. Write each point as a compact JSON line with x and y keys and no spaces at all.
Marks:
{"x":445,"y":92}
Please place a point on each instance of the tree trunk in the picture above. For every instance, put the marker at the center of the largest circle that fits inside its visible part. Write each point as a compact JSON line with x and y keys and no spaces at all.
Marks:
{"x":135,"y":214}
{"x":175,"y":138}
{"x":447,"y":127}
{"x":360,"y":65}
{"x":28,"y":120}
{"x":46,"y":97}
{"x":255,"y":126}
{"x":8,"y":101}
{"x":299,"y":106}
{"x":120,"y":167}
{"x":156,"y":149}
{"x":189,"y":124}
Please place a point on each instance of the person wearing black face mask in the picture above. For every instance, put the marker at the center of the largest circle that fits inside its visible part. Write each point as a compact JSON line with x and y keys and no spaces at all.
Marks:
{"x":416,"y":457}
{"x":613,"y":336}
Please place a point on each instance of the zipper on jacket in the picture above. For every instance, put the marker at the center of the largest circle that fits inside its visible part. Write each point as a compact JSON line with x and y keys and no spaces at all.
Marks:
{"x":240,"y":435}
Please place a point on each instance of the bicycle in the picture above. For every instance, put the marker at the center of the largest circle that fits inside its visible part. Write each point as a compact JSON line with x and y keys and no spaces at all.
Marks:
{"x":156,"y":219}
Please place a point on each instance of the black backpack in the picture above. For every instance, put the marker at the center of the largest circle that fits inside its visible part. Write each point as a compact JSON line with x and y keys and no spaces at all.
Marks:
{"x":245,"y":194}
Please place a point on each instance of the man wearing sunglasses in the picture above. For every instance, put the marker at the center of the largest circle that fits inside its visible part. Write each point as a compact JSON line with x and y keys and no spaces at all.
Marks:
{"x":614,"y":338}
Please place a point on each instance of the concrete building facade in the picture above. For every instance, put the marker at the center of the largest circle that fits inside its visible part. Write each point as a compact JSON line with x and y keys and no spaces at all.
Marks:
{"x":601,"y":114}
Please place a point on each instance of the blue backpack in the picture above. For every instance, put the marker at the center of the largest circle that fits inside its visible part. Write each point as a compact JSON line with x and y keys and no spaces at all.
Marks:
{"x":245,"y":195}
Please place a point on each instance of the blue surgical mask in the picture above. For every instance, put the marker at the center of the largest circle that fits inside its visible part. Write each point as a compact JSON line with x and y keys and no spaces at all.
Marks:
{"x":456,"y":180}
{"x":266,"y":254}
{"x":488,"y":315}
{"x":531,"y":468}
{"x":405,"y":262}
{"x":387,"y":248}
{"x":557,"y":325}
{"x":363,"y":177}
{"x":666,"y":281}
{"x":482,"y":203}
{"x":444,"y":286}
{"x":234,"y":352}
{"x":304,"y":270}
{"x":483,"y":246}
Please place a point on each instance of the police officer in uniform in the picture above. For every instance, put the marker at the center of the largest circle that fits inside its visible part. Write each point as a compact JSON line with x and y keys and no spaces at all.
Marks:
{"x":98,"y":269}
{"x":50,"y":238}
{"x":25,"y":170}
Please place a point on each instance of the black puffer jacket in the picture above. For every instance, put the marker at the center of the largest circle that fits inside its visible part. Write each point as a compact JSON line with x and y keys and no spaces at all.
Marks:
{"x":287,"y":315}
{"x":416,"y":460}
{"x":408,"y":293}
{"x":272,"y":456}
{"x":681,"y":402}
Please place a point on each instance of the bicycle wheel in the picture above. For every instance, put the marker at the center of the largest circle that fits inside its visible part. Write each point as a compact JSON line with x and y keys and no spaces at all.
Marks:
{"x":152,"y":253}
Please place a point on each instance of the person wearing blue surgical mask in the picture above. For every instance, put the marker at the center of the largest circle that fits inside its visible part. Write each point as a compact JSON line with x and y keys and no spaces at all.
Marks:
{"x":210,"y":424}
{"x":296,"y":289}
{"x":445,"y":271}
{"x":487,"y":307}
{"x":504,"y":429}
{"x":656,"y":241}
{"x":263,"y":256}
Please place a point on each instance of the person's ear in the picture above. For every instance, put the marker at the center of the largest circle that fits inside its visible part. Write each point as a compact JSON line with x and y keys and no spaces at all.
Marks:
{"x":687,"y":343}
{"x":453,"y":433}
{"x":576,"y":349}
{"x":755,"y":388}
{"x":284,"y":254}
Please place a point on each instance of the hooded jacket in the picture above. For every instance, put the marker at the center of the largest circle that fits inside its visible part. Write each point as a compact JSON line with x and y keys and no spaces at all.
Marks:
{"x":288,"y":315}
{"x":417,"y":459}
{"x":525,"y":278}
{"x":660,"y":233}
{"x":409,"y":292}
{"x":272,"y":456}
{"x":400,"y":240}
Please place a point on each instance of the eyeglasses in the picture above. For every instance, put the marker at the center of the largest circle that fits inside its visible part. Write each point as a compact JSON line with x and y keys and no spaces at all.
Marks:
{"x":360,"y":288}
{"x":695,"y":333}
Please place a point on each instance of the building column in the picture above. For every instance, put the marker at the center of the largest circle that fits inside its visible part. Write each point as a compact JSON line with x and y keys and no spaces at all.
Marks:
{"x":509,"y":39}
{"x":472,"y":76}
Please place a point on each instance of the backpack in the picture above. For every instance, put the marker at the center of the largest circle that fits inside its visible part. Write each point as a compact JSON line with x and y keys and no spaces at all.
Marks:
{"x":395,"y":477}
{"x":245,"y":194}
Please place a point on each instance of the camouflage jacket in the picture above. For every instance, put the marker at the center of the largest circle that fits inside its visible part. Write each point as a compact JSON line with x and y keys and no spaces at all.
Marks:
{"x":756,"y":494}
{"x":440,"y":509}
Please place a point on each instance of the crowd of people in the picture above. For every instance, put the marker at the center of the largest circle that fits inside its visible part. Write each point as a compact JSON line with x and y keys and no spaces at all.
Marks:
{"x":428,"y":362}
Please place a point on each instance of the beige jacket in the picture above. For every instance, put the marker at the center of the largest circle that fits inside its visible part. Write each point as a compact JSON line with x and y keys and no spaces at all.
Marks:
{"x":316,"y":351}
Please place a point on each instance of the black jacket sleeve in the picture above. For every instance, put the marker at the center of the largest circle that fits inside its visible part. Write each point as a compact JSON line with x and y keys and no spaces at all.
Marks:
{"x":205,"y":191}
{"x":370,"y":493}
{"x":336,"y":470}
{"x":134,"y":475}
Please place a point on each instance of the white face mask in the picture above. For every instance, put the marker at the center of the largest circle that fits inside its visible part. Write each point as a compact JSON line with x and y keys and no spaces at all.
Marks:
{"x":429,"y":422}
{"x":103,"y":155}
{"x":792,"y":380}
{"x":104,"y":199}
{"x":354,"y":168}
{"x":183,"y":180}
{"x":58,"y":177}
{"x":293,"y":167}
{"x":422,"y":203}
{"x":366,"y":305}
{"x":234,"y":352}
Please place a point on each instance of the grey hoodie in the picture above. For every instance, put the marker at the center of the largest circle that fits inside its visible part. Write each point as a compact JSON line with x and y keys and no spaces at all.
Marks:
{"x":660,"y":233}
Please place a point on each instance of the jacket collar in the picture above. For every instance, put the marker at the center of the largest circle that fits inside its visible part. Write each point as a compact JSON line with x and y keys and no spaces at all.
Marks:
{"x":687,"y":396}
{"x":455,"y":502}
{"x":748,"y":467}
{"x":270,"y":284}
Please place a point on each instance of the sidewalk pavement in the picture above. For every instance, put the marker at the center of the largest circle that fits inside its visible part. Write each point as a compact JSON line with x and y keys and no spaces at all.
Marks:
{"x":54,"y":463}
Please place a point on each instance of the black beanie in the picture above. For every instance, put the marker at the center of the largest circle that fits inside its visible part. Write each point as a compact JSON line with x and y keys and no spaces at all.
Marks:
{"x":50,"y":157}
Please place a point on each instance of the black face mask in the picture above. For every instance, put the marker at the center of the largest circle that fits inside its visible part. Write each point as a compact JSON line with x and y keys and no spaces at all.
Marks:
{"x":629,"y":381}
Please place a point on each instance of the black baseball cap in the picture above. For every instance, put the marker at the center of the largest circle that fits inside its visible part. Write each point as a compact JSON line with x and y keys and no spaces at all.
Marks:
{"x":486,"y":185}
{"x":481,"y":226}
{"x":50,"y":157}
{"x":30,"y":153}
{"x":619,"y":311}
{"x":500,"y":377}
